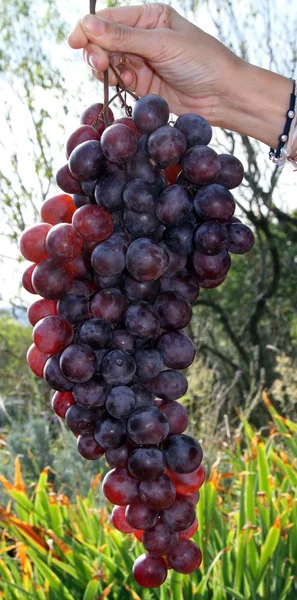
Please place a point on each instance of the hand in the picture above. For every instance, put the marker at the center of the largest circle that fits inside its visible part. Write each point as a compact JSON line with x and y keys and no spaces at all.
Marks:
{"x":164,"y":54}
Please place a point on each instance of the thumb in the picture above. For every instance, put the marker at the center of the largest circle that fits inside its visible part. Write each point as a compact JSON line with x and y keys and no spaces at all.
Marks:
{"x":115,"y":37}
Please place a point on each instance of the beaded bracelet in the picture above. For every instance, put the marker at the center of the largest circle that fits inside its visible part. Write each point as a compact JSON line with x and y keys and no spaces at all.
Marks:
{"x":280,"y":155}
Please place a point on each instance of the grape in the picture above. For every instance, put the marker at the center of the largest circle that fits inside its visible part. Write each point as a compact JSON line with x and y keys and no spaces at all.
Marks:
{"x":122,"y":340}
{"x":81,"y":420}
{"x":102,"y":283}
{"x":92,"y":223}
{"x":108,"y":191}
{"x":77,"y":363}
{"x":159,"y":540}
{"x":67,"y":182}
{"x":169,"y":385}
{"x":91,"y":393}
{"x":171,"y":173}
{"x":60,"y":403}
{"x":36,"y":360}
{"x":187,"y":484}
{"x":88,"y":447}
{"x":99,"y":355}
{"x":211,"y":238}
{"x":128,"y":121}
{"x":183,"y":453}
{"x":40,"y":309}
{"x":174,"y":205}
{"x":232,"y":172}
{"x":88,"y":188}
{"x":142,"y":320}
{"x":79,"y":268}
{"x":142,"y":144}
{"x":52,"y":334}
{"x":157,"y":494}
{"x":143,"y":395}
{"x":195,"y":128}
{"x":110,"y":433}
{"x":211,"y":267}
{"x":190,"y":531}
{"x":109,"y":305}
{"x":177,"y":349}
{"x":58,"y":209}
{"x":179,"y":238}
{"x":183,"y":283}
{"x":141,"y":516}
{"x":95,"y":333}
{"x":214,"y":202}
{"x":146,"y":260}
{"x":86,"y":161}
{"x":120,"y":402}
{"x":118,"y":368}
{"x":62,"y":243}
{"x":177,"y":415}
{"x":119,"y":488}
{"x":174,"y":310}
{"x":32,"y":242}
{"x":179,"y":515}
{"x":194,"y":498}
{"x":177,"y":262}
{"x":119,"y":520}
{"x":149,"y":571}
{"x":94,"y":113}
{"x":141,"y":224}
{"x":150,"y":112}
{"x":53,"y":376}
{"x":73,"y":308}
{"x":148,"y":426}
{"x":148,"y":362}
{"x":50,"y":280}
{"x":167,"y":145}
{"x":118,"y":142}
{"x":201,"y":165}
{"x":27,"y":279}
{"x":211,"y":283}
{"x":140,"y":196}
{"x":85,"y":133}
{"x":185,"y":557}
{"x":81,"y":200}
{"x":118,"y":457}
{"x":108,"y":258}
{"x":138,"y":534}
{"x":147,"y":464}
{"x":240,"y":238}
{"x":140,"y":167}
{"x":140,"y":290}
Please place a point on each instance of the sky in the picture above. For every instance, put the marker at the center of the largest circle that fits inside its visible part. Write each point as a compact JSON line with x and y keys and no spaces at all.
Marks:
{"x":77,"y":74}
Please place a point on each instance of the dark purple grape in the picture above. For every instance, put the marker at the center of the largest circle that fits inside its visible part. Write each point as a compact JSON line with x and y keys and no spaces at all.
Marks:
{"x":109,"y":305}
{"x":140,"y":167}
{"x":103,"y":283}
{"x":201,"y":165}
{"x":67,"y":182}
{"x":79,"y":288}
{"x":141,"y":224}
{"x":184,"y":283}
{"x":81,"y":200}
{"x":73,"y":308}
{"x":118,"y":457}
{"x":108,"y":258}
{"x":159,"y":540}
{"x":214,"y":202}
{"x":177,"y":415}
{"x":53,"y":376}
{"x":91,"y":393}
{"x":185,"y":557}
{"x":77,"y":363}
{"x":179,"y":238}
{"x":141,"y":290}
{"x":177,"y":262}
{"x":174,"y":310}
{"x":240,"y":238}
{"x":180,"y":515}
{"x":88,"y":188}
{"x":146,"y":260}
{"x":119,"y":487}
{"x":141,"y":516}
{"x":143,"y":395}
{"x":211,"y":238}
{"x":195,"y":128}
{"x":51,"y":280}
{"x":157,"y":494}
{"x":95,"y":333}
{"x":99,"y":355}
{"x":88,"y":447}
{"x":80,"y":269}
{"x":120,"y":402}
{"x":118,"y":368}
{"x":177,"y":349}
{"x":110,"y":433}
{"x":108,"y":191}
{"x":150,"y":112}
{"x":142,"y":144}
{"x":81,"y":420}
{"x":169,"y":385}
{"x":140,"y":196}
{"x":147,"y":464}
{"x":167,"y":145}
{"x":86,"y":161}
{"x":149,"y":571}
{"x":122,"y":340}
{"x":148,"y":426}
{"x":174,"y":205}
{"x":232,"y":172}
{"x":148,"y":362}
{"x":142,"y":320}
{"x":211,"y":267}
{"x":183,"y":453}
{"x":209,"y":284}
{"x":118,"y":143}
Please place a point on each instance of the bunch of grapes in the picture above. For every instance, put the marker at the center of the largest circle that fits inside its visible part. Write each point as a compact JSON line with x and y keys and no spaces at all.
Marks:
{"x":145,"y":220}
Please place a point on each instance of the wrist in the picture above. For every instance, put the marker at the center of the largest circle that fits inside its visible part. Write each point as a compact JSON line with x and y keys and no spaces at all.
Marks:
{"x":256,"y":104}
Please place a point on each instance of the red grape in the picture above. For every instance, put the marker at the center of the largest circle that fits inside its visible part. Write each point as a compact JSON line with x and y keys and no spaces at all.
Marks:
{"x":149,"y":571}
{"x":119,"y":520}
{"x":188,"y":483}
{"x":51,"y":280}
{"x":52,"y":334}
{"x":58,"y":209}
{"x":186,"y":557}
{"x":93,"y":113}
{"x":27,"y":279}
{"x":36,"y":360}
{"x":40,"y":309}
{"x":93,"y":223}
{"x":85,"y":133}
{"x":118,"y":142}
{"x":32,"y":242}
{"x":61,"y":402}
{"x":119,"y":488}
{"x":190,"y":531}
{"x":177,"y":415}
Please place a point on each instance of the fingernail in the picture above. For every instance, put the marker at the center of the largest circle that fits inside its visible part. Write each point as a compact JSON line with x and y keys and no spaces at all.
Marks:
{"x":93,"y":24}
{"x":93,"y":61}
